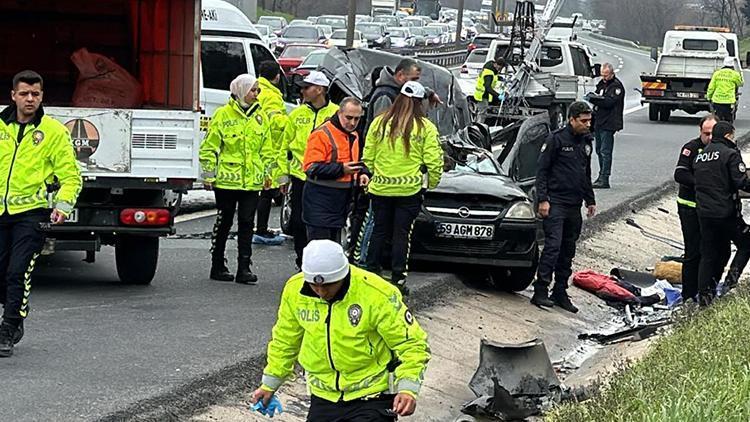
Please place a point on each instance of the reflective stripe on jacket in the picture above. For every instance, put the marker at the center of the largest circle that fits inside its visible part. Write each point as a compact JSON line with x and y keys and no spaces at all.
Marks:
{"x":234,"y":154}
{"x":329,"y":146}
{"x":31,"y":160}
{"x":345,"y":345}
{"x":396,"y":172}
{"x":302,"y":122}
{"x":723,"y":86}
{"x":271,"y":101}
{"x":480,"y":88}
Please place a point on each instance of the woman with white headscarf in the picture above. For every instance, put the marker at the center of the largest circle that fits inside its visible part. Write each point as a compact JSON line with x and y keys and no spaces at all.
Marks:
{"x":235,"y":161}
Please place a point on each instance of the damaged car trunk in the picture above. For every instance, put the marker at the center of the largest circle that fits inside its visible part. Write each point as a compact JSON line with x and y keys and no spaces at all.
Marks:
{"x":482,"y":213}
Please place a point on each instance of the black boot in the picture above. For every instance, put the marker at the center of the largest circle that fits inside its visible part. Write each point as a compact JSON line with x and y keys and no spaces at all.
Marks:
{"x":244,"y":273}
{"x":562,"y":300}
{"x":220,"y":272}
{"x":705,"y":299}
{"x":399,"y":280}
{"x":18,"y":335}
{"x":541,"y":297}
{"x":7,"y":332}
{"x":601,"y":183}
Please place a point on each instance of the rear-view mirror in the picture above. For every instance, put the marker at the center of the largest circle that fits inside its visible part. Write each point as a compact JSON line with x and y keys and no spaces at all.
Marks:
{"x":654,"y":54}
{"x":597,"y":70}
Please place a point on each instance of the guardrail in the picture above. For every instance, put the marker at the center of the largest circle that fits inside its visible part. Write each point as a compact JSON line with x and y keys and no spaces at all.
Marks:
{"x":444,"y":55}
{"x":615,"y":40}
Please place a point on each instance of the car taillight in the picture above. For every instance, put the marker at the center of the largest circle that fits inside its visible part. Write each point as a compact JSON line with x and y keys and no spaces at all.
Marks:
{"x":145,"y":217}
{"x":472,"y":47}
{"x":653,"y":93}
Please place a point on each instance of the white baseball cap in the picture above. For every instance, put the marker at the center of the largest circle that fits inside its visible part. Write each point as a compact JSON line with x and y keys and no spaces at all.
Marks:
{"x":413,"y":89}
{"x":315,"y":78}
{"x":728,"y":61}
{"x":324,"y":262}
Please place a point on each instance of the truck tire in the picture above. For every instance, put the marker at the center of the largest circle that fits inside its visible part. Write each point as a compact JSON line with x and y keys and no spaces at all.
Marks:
{"x":136,"y":258}
{"x":514,"y":279}
{"x":653,"y":112}
{"x":285,"y":213}
{"x":664,"y":114}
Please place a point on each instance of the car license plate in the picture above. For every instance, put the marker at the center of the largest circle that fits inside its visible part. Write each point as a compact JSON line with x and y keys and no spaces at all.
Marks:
{"x":465,"y":231}
{"x":688,"y":95}
{"x":73,"y":217}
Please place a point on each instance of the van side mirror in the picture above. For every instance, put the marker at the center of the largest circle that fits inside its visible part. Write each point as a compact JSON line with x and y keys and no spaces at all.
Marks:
{"x":654,"y":54}
{"x":597,"y":70}
{"x":747,"y":59}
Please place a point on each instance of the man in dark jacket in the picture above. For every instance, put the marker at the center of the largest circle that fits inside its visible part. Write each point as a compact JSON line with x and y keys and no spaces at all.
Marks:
{"x":563,"y":182}
{"x":686,"y":207}
{"x":609,"y":103}
{"x":719,"y":175}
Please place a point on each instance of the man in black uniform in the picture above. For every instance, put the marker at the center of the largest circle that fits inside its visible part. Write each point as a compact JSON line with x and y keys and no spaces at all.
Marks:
{"x":563,"y":181}
{"x":719,"y":175}
{"x":686,"y":207}
{"x":609,"y":103}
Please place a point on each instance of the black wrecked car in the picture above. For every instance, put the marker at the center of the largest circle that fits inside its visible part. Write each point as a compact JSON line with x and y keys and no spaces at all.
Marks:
{"x":481,"y":214}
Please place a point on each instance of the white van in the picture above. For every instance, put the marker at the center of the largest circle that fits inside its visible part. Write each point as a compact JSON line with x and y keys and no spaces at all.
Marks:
{"x":230,"y":46}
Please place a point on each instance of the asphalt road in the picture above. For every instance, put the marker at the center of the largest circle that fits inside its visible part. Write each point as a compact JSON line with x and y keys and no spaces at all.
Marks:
{"x":94,"y":346}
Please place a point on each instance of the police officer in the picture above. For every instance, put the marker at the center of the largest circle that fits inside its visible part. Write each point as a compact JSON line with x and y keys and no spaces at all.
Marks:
{"x":399,"y":144}
{"x":332,"y":166}
{"x":344,"y":325}
{"x":686,"y":206}
{"x":563,"y":181}
{"x":609,"y":103}
{"x":34,"y":148}
{"x":722,"y":90}
{"x":235,"y":159}
{"x":719,"y":175}
{"x":485,"y":94}
{"x":271,"y":101}
{"x":303,"y":120}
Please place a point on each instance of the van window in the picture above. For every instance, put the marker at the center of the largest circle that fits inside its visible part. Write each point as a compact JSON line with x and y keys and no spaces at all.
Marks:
{"x":730,"y":48}
{"x":222,"y":61}
{"x":581,"y":65}
{"x":259,"y":55}
{"x":700,"y":45}
{"x":551,"y":56}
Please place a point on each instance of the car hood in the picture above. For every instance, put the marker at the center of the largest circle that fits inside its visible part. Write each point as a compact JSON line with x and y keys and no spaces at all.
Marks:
{"x":351,"y":71}
{"x":454,"y":182}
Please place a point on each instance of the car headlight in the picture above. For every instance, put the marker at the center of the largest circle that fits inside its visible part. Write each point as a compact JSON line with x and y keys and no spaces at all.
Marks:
{"x":521,"y":211}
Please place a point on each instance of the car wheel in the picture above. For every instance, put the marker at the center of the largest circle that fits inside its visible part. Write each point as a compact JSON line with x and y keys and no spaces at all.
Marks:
{"x":557,"y":116}
{"x":653,"y":112}
{"x":136,"y":258}
{"x":285,"y":217}
{"x":514,"y":279}
{"x":664,"y":114}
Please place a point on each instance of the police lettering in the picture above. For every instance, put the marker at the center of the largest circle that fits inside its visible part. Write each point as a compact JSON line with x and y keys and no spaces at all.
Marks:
{"x":303,"y":120}
{"x":707,"y":156}
{"x":567,"y":149}
{"x":309,"y":315}
{"x":229,"y":123}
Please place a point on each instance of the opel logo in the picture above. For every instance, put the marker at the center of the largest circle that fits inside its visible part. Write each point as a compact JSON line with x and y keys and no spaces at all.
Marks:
{"x":464,"y":212}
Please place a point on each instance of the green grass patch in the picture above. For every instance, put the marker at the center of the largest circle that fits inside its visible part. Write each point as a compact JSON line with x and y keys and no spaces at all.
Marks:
{"x":264,"y":12}
{"x":700,"y":372}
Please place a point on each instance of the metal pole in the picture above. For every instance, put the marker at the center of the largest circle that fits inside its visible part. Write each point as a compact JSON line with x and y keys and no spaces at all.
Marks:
{"x":460,"y":23}
{"x":493,"y":27}
{"x":350,"y":22}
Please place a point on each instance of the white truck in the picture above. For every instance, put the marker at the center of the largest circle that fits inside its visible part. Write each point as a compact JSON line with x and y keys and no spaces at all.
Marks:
{"x":690,"y":55}
{"x":384,"y":7}
{"x":131,"y":105}
{"x":566,"y":73}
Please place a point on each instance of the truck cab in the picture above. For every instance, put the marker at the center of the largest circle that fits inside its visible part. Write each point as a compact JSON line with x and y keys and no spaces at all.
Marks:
{"x":689,"y":57}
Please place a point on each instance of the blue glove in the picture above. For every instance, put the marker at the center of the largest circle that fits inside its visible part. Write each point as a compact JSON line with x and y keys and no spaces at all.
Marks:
{"x":273,"y":406}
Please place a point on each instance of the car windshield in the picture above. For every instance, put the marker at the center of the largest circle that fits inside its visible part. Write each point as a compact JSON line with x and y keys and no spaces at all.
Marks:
{"x":482,"y":42}
{"x":340,"y":34}
{"x":477,"y":56}
{"x":477,"y":163}
{"x":300,"y":32}
{"x":398,"y":33}
{"x":432,"y":31}
{"x":263,"y":29}
{"x":314,"y":59}
{"x":334,"y":22}
{"x":273,"y":23}
{"x":371,"y":29}
{"x":326,"y":29}
{"x":296,"y":51}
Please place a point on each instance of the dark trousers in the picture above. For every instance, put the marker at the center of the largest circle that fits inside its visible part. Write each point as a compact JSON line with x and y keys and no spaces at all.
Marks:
{"x":264,"y":208}
{"x":378,"y":409}
{"x":298,"y":226}
{"x":691,"y":236}
{"x":227,"y":203}
{"x":323,"y":233}
{"x":393,"y":218}
{"x":724,"y":112}
{"x":605,"y":145}
{"x":561,"y":231}
{"x":717,"y":235}
{"x":21,"y":242}
{"x":358,"y":219}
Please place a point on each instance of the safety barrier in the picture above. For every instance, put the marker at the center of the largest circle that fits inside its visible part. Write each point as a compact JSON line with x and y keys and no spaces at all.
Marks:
{"x":446,"y":55}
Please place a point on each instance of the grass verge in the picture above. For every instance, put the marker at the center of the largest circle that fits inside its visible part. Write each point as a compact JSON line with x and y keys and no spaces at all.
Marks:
{"x":700,"y":372}
{"x":264,"y":12}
